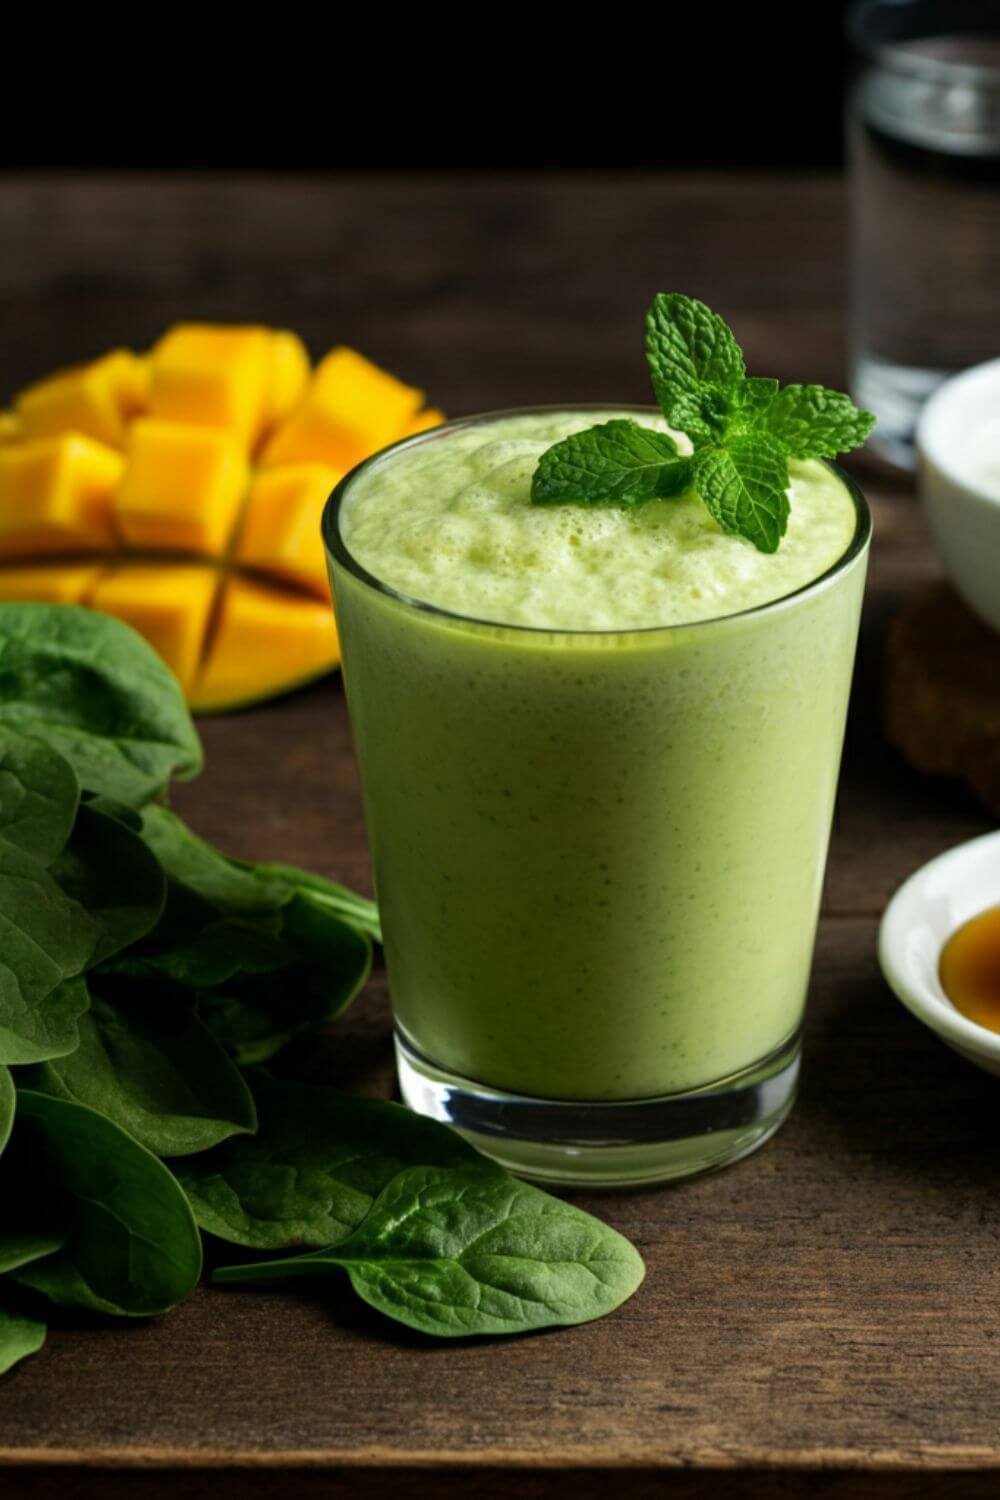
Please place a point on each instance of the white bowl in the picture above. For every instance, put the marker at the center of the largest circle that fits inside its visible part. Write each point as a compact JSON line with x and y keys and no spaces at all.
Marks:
{"x":959,"y":426}
{"x":919,"y":919}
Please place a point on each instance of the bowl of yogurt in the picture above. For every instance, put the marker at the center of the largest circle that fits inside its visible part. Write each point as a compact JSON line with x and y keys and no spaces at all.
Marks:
{"x":958,"y":464}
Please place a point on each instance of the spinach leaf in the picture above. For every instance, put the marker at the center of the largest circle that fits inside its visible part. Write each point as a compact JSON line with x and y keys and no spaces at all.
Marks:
{"x":18,"y":1250}
{"x":93,"y":690}
{"x":259,"y":977}
{"x":234,"y":885}
{"x":466,"y":1250}
{"x":39,"y":794}
{"x":108,"y":870}
{"x":317,"y":1163}
{"x":133,"y":1247}
{"x":45,"y":936}
{"x":8,"y":1106}
{"x":149,"y":1065}
{"x":19,"y":1337}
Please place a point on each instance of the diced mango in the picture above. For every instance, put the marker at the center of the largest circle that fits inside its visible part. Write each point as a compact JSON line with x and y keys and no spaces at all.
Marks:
{"x":351,"y":409}
{"x":57,"y":583}
{"x":266,"y":640}
{"x":97,"y":399}
{"x":56,"y":495}
{"x":169,"y":606}
{"x":183,"y":488}
{"x":11,"y":427}
{"x":423,"y":421}
{"x":212,"y":375}
{"x":281,"y":524}
{"x":287,"y":380}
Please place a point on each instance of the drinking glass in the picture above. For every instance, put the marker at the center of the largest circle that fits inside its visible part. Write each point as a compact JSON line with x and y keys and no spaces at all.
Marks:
{"x":924,"y":157}
{"x":598,"y":858}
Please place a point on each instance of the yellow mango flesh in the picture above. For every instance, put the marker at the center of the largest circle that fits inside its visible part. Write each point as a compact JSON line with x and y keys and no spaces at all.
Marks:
{"x":56,"y":583}
{"x":153,"y":487}
{"x":288,"y":379}
{"x":281,"y":526}
{"x":351,"y":409}
{"x":263,"y":633}
{"x":97,"y":399}
{"x":423,"y":421}
{"x":170,"y":607}
{"x":57,"y":495}
{"x":183,"y":488}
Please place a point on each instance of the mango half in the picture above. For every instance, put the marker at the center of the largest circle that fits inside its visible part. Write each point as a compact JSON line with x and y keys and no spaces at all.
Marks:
{"x":181,"y":491}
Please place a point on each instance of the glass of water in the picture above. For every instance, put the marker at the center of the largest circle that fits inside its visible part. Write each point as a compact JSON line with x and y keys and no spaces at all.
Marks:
{"x":924,"y":149}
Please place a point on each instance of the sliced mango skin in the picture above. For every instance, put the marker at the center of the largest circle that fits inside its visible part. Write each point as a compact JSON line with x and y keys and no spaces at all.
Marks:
{"x":138,"y":484}
{"x":263,"y":634}
{"x":170,"y":607}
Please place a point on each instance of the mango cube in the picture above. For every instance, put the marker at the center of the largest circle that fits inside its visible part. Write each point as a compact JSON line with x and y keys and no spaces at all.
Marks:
{"x":97,"y":399}
{"x":183,"y":487}
{"x":263,"y":633}
{"x":11,"y":427}
{"x":212,"y":375}
{"x":56,"y":495}
{"x":281,"y":524}
{"x":170,"y":607}
{"x":288,"y":377}
{"x":423,"y":421}
{"x":56,"y":583}
{"x":351,"y":409}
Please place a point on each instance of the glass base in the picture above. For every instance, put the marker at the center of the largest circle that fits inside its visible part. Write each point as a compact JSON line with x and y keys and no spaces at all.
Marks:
{"x":619,"y":1143}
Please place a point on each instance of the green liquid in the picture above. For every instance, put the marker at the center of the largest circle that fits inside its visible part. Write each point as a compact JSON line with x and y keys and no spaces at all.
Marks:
{"x":598,"y":856}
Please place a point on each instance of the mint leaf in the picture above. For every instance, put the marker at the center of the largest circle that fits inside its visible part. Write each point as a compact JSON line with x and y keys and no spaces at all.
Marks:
{"x":696,"y":364}
{"x":756,"y":393}
{"x":744,"y":488}
{"x":811,"y":422}
{"x":618,"y":463}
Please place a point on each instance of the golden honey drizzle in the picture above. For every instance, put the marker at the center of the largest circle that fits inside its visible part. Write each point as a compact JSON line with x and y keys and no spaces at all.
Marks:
{"x":969,"y":969}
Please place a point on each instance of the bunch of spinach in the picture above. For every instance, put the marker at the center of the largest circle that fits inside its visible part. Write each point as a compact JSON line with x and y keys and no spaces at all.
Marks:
{"x":142,"y":974}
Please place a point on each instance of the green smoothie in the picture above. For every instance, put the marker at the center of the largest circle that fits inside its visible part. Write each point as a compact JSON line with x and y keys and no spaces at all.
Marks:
{"x":599,"y":750}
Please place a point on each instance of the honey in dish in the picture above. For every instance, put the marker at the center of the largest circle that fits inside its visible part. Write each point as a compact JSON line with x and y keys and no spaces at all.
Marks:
{"x":969,"y":969}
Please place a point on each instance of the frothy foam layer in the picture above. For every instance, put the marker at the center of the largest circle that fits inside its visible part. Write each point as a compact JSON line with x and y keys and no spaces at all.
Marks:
{"x":448,"y":520}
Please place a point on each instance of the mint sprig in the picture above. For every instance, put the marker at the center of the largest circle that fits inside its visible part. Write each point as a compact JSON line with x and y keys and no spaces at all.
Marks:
{"x":743,"y":430}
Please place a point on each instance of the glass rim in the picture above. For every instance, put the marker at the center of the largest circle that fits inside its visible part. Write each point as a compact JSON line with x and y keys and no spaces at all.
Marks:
{"x":336,"y":546}
{"x":890,"y":54}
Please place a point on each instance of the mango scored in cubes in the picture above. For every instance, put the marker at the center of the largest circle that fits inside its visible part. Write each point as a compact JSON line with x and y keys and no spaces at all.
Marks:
{"x":181,"y":490}
{"x":57,"y":495}
{"x":281,"y":532}
{"x":169,"y":606}
{"x":262,"y":631}
{"x":351,"y":409}
{"x":184,"y":486}
{"x":98,"y":399}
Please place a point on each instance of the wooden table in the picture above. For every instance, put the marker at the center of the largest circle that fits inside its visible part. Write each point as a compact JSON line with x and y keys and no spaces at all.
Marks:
{"x":821,"y":1319}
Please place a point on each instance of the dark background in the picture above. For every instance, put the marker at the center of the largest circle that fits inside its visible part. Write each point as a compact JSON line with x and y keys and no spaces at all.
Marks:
{"x":695,"y":84}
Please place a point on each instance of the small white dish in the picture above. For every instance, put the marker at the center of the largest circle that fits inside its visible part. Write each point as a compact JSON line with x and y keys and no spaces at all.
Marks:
{"x":958,"y":467}
{"x":919,"y":919}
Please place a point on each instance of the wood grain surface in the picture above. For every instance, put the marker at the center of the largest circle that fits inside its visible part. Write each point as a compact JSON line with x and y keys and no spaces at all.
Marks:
{"x":821,"y":1319}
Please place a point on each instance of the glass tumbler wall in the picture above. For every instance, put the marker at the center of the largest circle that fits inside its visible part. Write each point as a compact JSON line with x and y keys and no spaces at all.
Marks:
{"x":598,"y":858}
{"x":924,"y":150}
